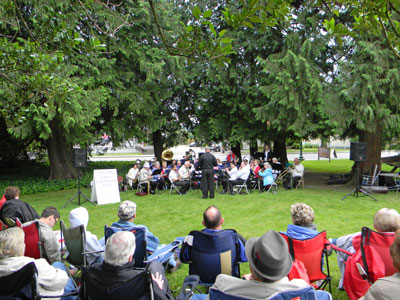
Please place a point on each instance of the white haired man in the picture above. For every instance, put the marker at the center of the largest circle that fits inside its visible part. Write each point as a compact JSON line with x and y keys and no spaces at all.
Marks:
{"x":118,"y":266}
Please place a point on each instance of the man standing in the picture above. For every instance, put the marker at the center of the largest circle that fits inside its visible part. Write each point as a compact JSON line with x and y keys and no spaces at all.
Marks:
{"x":267,"y":154}
{"x":207,"y":162}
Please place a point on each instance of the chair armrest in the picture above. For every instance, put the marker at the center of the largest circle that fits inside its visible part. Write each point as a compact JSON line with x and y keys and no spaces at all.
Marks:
{"x":159,"y":254}
{"x":188,"y":286}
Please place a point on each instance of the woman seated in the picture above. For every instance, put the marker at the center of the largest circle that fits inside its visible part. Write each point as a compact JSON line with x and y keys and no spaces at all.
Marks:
{"x":385,"y":220}
{"x":303,"y":226}
{"x":387,"y":288}
{"x":267,"y":177}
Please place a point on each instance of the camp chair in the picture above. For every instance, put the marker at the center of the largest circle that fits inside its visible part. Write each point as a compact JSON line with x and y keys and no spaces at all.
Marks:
{"x":139,"y":287}
{"x":374,"y":259}
{"x":75,"y":241}
{"x":23,"y":284}
{"x":33,"y":244}
{"x":209,"y":254}
{"x":308,"y":256}
{"x":141,"y":258}
{"x":307,"y":293}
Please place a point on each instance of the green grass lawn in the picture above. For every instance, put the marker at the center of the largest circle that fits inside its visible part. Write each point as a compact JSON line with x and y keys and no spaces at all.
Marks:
{"x":169,"y":216}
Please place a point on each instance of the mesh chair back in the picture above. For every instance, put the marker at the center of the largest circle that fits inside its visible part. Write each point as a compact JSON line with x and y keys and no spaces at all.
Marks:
{"x":21,"y":284}
{"x":377,"y":243}
{"x":140,"y":233}
{"x":212,"y":254}
{"x":33,"y":245}
{"x":75,"y":240}
{"x":135,"y":288}
{"x":311,"y":252}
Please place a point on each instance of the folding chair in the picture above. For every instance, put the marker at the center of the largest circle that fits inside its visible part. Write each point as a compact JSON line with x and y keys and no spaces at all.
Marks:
{"x":33,"y":244}
{"x":141,"y":258}
{"x":374,"y":259}
{"x":244,"y":186}
{"x":75,"y":241}
{"x":310,"y":253}
{"x":307,"y":293}
{"x":253,"y":180}
{"x":174,"y":187}
{"x":209,"y":254}
{"x":23,"y":284}
{"x":300,"y":182}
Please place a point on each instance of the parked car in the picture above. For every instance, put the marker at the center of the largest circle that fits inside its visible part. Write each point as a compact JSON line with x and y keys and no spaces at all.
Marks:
{"x":195,"y":144}
{"x":215,"y":147}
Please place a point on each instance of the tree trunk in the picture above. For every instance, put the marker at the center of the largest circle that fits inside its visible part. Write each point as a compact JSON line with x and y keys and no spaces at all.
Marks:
{"x":236,"y":149}
{"x":60,"y":155}
{"x":280,"y":149}
{"x":374,"y":149}
{"x":253,"y":147}
{"x":157,"y":144}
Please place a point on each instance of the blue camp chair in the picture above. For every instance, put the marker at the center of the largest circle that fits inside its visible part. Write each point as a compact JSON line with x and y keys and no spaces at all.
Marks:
{"x":209,"y":254}
{"x":141,"y":258}
{"x":307,"y":293}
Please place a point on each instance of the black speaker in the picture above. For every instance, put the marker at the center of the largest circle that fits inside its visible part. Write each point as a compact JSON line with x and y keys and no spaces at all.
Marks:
{"x":358,"y":151}
{"x":80,"y":158}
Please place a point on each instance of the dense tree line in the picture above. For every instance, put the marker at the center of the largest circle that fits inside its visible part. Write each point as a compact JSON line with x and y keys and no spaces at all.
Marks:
{"x":223,"y":70}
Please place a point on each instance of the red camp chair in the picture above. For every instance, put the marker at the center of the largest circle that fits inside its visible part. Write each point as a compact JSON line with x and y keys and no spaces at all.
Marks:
{"x":307,"y":256}
{"x":33,"y":246}
{"x":374,"y":257}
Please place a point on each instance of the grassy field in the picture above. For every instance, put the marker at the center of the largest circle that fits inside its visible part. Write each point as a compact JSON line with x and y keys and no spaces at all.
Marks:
{"x":169,"y":216}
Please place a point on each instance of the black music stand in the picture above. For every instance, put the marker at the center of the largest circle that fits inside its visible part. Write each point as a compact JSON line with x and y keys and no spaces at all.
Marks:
{"x":79,"y":194}
{"x":358,"y":188}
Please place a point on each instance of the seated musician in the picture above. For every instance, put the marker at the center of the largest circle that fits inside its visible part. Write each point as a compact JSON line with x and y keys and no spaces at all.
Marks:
{"x":176,"y":178}
{"x":277,"y":167}
{"x":267,"y":177}
{"x":220,"y":164}
{"x":145,"y":178}
{"x":132,"y":175}
{"x":231,"y":156}
{"x":231,"y":175}
{"x":241,"y":176}
{"x":296,"y":173}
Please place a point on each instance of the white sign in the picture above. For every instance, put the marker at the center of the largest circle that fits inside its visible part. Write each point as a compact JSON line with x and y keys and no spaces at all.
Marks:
{"x":105,"y":186}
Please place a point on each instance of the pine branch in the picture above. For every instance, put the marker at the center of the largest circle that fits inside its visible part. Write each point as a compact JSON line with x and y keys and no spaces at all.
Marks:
{"x":387,"y":38}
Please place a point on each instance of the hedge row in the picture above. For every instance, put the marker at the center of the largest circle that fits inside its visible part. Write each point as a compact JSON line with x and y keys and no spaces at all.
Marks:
{"x":34,"y":179}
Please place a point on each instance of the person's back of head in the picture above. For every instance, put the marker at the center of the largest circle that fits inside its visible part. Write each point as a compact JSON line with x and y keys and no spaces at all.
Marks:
{"x":387,"y":220}
{"x":12,"y":242}
{"x":212,"y":218}
{"x":127,"y":211}
{"x":395,"y":251}
{"x":120,"y":248}
{"x":302,"y":214}
{"x":12,"y":192}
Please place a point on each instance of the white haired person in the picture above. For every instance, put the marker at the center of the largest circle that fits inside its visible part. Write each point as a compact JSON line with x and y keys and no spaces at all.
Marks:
{"x":80,"y":216}
{"x":385,"y":220}
{"x":118,"y":266}
{"x":52,"y":279}
{"x":387,"y":288}
{"x":303,"y":226}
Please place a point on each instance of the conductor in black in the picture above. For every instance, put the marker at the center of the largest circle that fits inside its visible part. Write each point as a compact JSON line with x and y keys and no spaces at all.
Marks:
{"x":207,"y":162}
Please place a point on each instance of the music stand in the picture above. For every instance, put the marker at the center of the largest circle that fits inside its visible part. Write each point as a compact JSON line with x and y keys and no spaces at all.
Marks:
{"x":79,"y":193}
{"x":358,"y":188}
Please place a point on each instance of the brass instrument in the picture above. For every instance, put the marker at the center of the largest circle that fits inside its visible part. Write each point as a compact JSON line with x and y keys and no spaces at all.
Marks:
{"x":167,"y":155}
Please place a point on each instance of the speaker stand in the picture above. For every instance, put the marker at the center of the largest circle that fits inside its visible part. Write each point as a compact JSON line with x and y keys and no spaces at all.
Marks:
{"x":79,"y":194}
{"x":358,"y":188}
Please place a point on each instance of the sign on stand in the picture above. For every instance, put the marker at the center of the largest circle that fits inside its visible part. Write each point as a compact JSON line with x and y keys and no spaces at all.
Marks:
{"x":105,"y":186}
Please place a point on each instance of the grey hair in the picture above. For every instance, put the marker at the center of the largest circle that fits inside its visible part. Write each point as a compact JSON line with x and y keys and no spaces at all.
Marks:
{"x":12,"y":242}
{"x":302,"y":214}
{"x":267,"y":166}
{"x":119,"y":247}
{"x":387,"y":220}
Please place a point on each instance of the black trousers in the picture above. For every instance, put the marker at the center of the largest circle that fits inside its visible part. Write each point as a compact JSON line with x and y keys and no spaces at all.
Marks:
{"x":184,"y":184}
{"x":207,"y":182}
{"x":235,"y":182}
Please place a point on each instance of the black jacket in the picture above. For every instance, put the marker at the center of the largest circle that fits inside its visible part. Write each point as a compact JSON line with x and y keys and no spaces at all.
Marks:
{"x":207,"y":161}
{"x":15,"y":208}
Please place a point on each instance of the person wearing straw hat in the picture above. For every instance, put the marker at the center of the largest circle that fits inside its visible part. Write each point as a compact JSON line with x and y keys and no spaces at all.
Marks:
{"x":270,"y":263}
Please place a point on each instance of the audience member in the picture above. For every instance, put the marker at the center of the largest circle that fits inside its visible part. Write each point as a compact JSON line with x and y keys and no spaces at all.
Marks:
{"x":303,"y":226}
{"x":48,"y":238}
{"x":52,"y":280}
{"x":126,"y":215}
{"x":385,"y":220}
{"x":296,"y":173}
{"x":387,"y":288}
{"x":14,"y":208}
{"x":267,"y":177}
{"x":212,"y":221}
{"x":80,"y":216}
{"x":269,"y":262}
{"x":118,"y":266}
{"x":145,"y":179}
{"x":132,"y":175}
{"x":176,"y":178}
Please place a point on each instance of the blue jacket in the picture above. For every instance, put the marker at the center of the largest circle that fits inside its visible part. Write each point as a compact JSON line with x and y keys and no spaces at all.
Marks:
{"x":267,"y":176}
{"x":299,"y":232}
{"x":152,"y":240}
